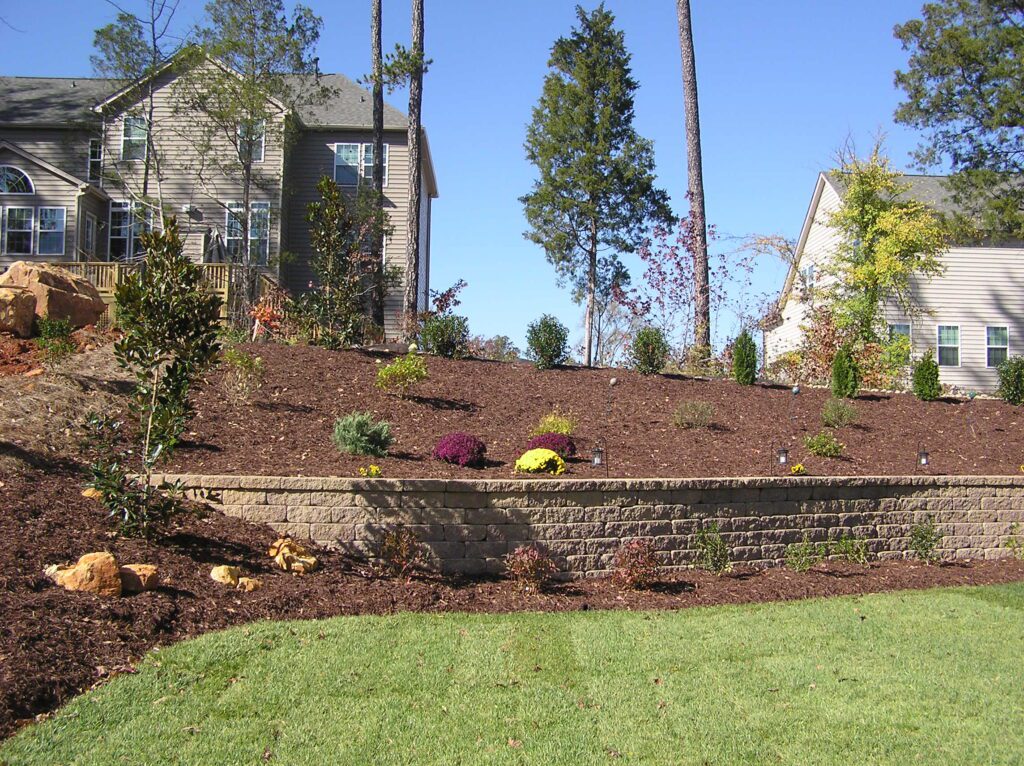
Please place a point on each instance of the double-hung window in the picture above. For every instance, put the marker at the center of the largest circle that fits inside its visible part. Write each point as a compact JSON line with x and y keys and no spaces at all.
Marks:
{"x":997,"y":345}
{"x":949,"y":346}
{"x":259,"y":232}
{"x":353,"y":164}
{"x":252,"y":139}
{"x":95,"y":159}
{"x":897,"y":329}
{"x":51,"y":230}
{"x":134,"y":138}
{"x":127,"y":222}
{"x":18,"y":223}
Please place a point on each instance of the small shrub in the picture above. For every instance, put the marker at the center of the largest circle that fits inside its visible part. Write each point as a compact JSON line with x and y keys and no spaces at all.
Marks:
{"x":744,"y":359}
{"x":712,"y":550}
{"x":402,"y":374}
{"x":803,"y":555}
{"x":399,"y":552}
{"x":824,"y":444}
{"x":530,"y":567}
{"x":649,"y":351}
{"x":838,"y":413}
{"x":925,"y":380}
{"x":243,"y":374}
{"x":694,"y":415}
{"x":547,"y":342}
{"x":560,"y":444}
{"x":359,"y":434}
{"x":636,"y":565}
{"x":1011,"y":380}
{"x":1014,"y":543}
{"x":555,"y":423}
{"x":446,"y":335}
{"x":850,"y":548}
{"x":540,"y":461}
{"x":461,"y":449}
{"x":924,"y":539}
{"x":54,"y":339}
{"x":845,"y":375}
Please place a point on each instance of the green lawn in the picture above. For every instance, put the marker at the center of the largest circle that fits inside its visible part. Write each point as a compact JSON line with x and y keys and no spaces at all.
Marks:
{"x":931,"y":677}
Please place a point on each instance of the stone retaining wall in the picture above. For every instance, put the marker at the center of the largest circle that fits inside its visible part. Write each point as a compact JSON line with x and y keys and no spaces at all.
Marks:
{"x":469,"y":526}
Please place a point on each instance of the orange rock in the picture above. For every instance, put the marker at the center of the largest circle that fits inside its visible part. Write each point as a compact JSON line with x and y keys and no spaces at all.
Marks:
{"x":225,"y":574}
{"x":93,"y":573}
{"x":292,"y":557}
{"x":136,"y":578}
{"x":249,"y":584}
{"x":92,"y":493}
{"x":59,"y":294}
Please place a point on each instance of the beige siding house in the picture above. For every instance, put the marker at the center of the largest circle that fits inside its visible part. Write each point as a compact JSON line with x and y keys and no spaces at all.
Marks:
{"x":82,"y":144}
{"x":970,"y":316}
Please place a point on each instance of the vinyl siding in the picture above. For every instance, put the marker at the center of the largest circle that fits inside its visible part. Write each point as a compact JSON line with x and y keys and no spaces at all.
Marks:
{"x":66,"y":149}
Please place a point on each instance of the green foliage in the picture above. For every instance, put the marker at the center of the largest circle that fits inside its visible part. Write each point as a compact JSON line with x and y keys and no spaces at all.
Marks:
{"x":401,"y":374}
{"x":54,"y":339}
{"x":924,"y":539}
{"x":169,"y":323}
{"x":243,"y":374}
{"x":547,"y":342}
{"x":838,"y":413}
{"x":925,"y":380}
{"x":744,"y":359}
{"x":595,"y":194}
{"x":500,"y":348}
{"x":845,"y":375}
{"x":1015,"y":543}
{"x":962,"y":85}
{"x":360,"y":434}
{"x":824,"y":444}
{"x":850,"y":548}
{"x":649,"y":351}
{"x":694,"y":414}
{"x":1011,"y":380}
{"x":803,"y":555}
{"x":446,"y":335}
{"x":885,"y":239}
{"x":555,"y":423}
{"x":712,"y":550}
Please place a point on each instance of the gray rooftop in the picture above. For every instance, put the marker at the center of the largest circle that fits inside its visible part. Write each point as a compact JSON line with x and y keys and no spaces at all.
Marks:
{"x":930,"y":190}
{"x":63,"y":100}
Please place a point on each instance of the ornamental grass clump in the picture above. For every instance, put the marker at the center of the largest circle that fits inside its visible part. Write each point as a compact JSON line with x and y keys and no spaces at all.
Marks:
{"x":460,"y":449}
{"x":649,"y":351}
{"x":530,"y":568}
{"x":555,"y":423}
{"x":402,"y":374}
{"x":838,"y":413}
{"x":360,"y":434}
{"x":540,"y":461}
{"x":562,"y":445}
{"x":694,"y":415}
{"x":636,"y":565}
{"x":243,"y":374}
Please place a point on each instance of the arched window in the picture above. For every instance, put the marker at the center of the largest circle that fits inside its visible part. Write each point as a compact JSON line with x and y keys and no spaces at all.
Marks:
{"x":14,"y":181}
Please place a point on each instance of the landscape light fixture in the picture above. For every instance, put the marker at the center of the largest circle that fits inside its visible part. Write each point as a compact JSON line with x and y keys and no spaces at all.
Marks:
{"x":597,"y":457}
{"x":782,"y":455}
{"x":922,"y":457}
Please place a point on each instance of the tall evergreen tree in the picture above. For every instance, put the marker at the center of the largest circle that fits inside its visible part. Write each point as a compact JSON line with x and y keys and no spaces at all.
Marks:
{"x":695,"y":185}
{"x":595,"y":194}
{"x":412,"y":256}
{"x":377,"y":80}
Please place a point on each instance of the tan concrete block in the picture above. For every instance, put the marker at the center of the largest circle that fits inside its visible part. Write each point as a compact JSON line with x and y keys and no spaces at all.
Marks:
{"x":243,"y":497}
{"x":298,"y":531}
{"x":328,"y":533}
{"x":263,"y":513}
{"x":465,"y":532}
{"x":566,"y":531}
{"x":310,"y":514}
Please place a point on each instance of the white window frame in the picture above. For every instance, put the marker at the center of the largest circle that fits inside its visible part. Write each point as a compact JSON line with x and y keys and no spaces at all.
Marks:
{"x":363,"y":171}
{"x":988,"y":346}
{"x":31,"y":229}
{"x":959,"y":345}
{"x":144,"y":139}
{"x":31,"y":183}
{"x":136,"y":225}
{"x":262,"y":142}
{"x":40,"y":232}
{"x":231,"y":209}
{"x":89,"y":229}
{"x":98,"y":175}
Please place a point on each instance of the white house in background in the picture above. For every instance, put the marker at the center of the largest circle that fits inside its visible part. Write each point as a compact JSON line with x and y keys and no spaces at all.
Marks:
{"x":971,"y":316}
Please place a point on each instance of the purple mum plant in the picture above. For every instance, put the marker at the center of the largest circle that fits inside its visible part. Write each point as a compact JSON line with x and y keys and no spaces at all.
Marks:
{"x":462,"y":449}
{"x":560,"y":444}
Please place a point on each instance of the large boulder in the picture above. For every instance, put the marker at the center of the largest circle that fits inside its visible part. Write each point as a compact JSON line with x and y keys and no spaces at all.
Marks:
{"x":59,"y":293}
{"x":93,"y":573}
{"x":136,"y":578}
{"x":17,"y":311}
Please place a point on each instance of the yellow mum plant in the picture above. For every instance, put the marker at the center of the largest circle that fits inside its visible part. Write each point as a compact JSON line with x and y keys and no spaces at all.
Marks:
{"x":540,"y":461}
{"x":798,"y":470}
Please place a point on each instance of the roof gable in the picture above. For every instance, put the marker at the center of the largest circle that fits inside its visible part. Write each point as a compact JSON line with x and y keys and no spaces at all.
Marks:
{"x":39,"y":162}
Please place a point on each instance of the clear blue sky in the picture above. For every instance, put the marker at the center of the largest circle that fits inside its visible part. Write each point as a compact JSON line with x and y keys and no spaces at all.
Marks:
{"x":782,"y":84}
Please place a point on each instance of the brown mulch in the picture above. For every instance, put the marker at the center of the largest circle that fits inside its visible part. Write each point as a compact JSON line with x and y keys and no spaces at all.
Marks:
{"x":286,"y":428}
{"x":54,"y":644}
{"x":17,"y":356}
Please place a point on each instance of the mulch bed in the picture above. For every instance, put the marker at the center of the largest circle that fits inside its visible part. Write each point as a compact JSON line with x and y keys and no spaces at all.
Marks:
{"x":54,"y":644}
{"x":286,"y":428}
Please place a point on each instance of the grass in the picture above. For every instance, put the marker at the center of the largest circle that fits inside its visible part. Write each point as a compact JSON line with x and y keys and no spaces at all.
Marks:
{"x":913,"y":677}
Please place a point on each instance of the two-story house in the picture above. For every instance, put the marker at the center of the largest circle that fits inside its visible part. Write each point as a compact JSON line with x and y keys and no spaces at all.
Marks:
{"x":970,"y":316}
{"x":74,"y":172}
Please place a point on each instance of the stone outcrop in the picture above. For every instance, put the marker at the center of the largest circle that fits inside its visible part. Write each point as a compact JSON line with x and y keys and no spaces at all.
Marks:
{"x":17,"y":311}
{"x":59,"y":294}
{"x":93,"y":573}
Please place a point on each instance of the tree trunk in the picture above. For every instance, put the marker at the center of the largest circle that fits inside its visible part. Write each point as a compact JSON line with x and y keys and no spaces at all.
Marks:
{"x":588,"y":322}
{"x":377,"y":246}
{"x":695,"y":190}
{"x":412,"y":253}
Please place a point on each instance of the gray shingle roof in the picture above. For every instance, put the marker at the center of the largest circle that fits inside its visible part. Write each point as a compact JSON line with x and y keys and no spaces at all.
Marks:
{"x":930,"y":190}
{"x":60,"y":100}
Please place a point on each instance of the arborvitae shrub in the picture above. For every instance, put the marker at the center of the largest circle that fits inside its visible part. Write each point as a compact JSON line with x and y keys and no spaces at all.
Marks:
{"x":925,"y":382}
{"x":845,"y":375}
{"x":649,"y":351}
{"x":744,"y":359}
